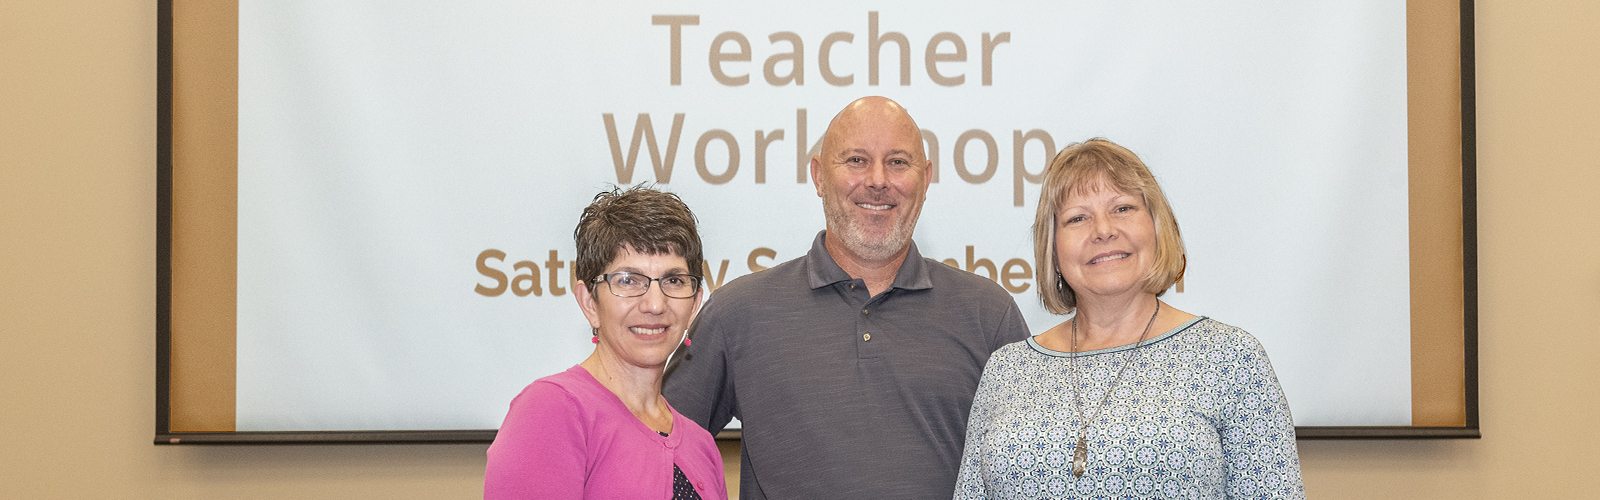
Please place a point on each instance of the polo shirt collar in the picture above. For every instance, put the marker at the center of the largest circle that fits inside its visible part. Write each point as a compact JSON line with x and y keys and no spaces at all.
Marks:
{"x":913,"y":273}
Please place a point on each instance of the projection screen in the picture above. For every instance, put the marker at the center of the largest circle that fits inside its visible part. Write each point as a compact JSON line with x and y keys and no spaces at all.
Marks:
{"x":367,"y":207}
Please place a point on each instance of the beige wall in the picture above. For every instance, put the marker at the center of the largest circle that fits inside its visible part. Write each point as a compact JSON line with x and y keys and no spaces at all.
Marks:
{"x":77,"y":284}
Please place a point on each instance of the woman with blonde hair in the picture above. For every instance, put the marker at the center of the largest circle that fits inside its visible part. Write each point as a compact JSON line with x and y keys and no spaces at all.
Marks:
{"x":1130,"y":397}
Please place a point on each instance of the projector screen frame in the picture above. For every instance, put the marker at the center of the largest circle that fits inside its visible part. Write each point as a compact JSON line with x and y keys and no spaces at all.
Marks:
{"x":164,"y":434}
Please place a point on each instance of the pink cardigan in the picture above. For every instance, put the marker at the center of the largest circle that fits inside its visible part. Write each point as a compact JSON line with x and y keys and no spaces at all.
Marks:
{"x":567,"y":436}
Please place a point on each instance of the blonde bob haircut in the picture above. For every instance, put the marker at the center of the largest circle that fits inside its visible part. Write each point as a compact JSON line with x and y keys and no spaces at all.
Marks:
{"x":1087,"y":166}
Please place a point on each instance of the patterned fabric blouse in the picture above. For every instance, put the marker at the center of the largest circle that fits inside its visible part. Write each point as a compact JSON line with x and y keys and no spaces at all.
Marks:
{"x":1199,"y":414}
{"x":682,"y":489}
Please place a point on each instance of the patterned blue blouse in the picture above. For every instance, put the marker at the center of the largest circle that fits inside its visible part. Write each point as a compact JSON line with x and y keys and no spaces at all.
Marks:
{"x":1199,"y":414}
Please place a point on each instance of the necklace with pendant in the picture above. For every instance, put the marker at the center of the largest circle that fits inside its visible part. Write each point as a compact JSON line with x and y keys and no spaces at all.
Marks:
{"x":1080,"y":455}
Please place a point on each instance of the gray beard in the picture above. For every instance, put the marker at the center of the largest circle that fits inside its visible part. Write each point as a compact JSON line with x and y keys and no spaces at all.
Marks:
{"x":855,"y":238}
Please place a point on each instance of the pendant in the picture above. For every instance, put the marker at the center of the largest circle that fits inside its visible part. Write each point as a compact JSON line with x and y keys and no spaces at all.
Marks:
{"x":1080,"y":457}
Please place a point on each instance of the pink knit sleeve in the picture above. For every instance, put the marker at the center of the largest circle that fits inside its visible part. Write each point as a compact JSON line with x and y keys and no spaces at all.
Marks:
{"x":539,"y":451}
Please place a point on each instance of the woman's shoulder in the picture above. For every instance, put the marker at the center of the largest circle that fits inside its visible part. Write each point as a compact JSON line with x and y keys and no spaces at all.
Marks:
{"x":1013,"y":354}
{"x":1208,"y":326}
{"x":566,"y":387}
{"x":692,"y":433}
{"x":1221,"y":336}
{"x":1020,"y":348}
{"x":547,"y":409}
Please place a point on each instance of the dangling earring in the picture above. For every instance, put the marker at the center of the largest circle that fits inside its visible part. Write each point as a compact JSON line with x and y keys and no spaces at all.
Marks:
{"x":595,"y":339}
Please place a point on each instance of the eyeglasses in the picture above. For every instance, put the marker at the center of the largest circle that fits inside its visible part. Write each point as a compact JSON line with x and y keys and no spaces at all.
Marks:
{"x":626,"y":284}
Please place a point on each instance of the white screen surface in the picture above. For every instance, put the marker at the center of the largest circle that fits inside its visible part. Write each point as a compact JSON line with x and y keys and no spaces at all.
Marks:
{"x":385,"y":147}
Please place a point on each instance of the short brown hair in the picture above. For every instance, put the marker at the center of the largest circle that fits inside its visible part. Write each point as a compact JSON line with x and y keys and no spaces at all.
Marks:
{"x":1082,"y":166}
{"x":648,"y":221}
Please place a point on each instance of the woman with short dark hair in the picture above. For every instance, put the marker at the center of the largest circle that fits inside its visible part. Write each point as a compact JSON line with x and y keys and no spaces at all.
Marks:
{"x":601,"y":429}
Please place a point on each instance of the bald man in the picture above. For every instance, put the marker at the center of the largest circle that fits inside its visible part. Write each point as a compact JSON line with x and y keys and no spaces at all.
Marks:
{"x":853,"y":367}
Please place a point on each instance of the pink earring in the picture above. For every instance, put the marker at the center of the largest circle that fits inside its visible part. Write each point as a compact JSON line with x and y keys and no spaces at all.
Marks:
{"x":686,"y":342}
{"x":595,"y":339}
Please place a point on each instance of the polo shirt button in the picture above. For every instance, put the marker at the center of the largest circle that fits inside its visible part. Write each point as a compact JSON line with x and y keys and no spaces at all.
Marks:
{"x":866,"y":337}
{"x":863,"y":311}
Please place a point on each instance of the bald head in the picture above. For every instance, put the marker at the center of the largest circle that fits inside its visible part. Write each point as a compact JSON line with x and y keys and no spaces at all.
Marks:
{"x":872,"y":174}
{"x":875,"y":112}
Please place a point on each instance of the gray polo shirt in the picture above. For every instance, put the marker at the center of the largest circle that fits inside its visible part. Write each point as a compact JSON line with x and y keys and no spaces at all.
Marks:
{"x":842,"y":395}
